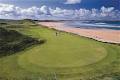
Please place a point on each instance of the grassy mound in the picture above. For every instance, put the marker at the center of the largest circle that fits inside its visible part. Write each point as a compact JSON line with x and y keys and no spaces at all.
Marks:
{"x":12,"y":41}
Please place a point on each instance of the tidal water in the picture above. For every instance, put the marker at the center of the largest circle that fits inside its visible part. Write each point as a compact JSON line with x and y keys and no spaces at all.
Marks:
{"x":114,"y":25}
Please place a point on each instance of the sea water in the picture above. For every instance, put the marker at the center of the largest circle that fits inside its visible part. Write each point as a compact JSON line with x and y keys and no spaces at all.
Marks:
{"x":114,"y":25}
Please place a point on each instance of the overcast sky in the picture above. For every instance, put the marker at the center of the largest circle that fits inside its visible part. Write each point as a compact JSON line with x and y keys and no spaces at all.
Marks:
{"x":60,"y":9}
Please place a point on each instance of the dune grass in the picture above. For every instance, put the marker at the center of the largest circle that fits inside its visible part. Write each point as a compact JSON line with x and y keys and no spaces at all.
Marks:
{"x":62,"y":57}
{"x":12,"y":42}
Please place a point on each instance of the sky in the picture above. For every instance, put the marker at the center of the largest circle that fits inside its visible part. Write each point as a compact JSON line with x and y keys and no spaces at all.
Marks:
{"x":60,"y":9}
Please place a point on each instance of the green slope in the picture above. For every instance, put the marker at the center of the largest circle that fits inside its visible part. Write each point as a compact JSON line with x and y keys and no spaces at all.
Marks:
{"x":62,"y":57}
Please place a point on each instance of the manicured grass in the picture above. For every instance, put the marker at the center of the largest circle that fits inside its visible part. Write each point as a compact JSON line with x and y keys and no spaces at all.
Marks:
{"x":62,"y":57}
{"x":62,"y":51}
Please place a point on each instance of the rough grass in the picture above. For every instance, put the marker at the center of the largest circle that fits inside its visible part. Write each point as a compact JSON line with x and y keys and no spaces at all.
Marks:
{"x":62,"y":57}
{"x":12,"y":41}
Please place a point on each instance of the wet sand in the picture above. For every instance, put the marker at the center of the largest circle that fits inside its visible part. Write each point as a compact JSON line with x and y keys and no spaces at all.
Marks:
{"x":104,"y":35}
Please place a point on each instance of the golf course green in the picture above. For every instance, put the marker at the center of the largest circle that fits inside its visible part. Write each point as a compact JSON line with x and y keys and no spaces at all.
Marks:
{"x":64,"y":56}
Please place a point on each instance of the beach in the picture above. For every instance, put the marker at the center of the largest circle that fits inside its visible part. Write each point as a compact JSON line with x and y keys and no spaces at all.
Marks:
{"x":104,"y":35}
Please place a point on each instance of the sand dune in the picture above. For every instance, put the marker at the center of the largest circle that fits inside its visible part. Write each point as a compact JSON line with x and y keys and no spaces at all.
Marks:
{"x":105,"y":35}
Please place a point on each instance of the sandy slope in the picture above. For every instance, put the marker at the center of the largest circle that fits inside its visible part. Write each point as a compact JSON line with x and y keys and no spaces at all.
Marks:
{"x":104,"y":35}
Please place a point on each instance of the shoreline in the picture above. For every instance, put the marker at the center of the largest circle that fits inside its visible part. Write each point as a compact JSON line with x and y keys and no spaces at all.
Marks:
{"x":103,"y":35}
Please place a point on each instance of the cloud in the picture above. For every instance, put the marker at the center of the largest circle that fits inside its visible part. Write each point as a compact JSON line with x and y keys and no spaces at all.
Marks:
{"x":45,"y":10}
{"x":106,"y":11}
{"x":11,"y":11}
{"x":8,"y":11}
{"x":72,"y":1}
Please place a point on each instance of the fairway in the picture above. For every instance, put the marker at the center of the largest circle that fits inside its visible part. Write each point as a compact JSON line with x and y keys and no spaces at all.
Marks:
{"x":62,"y":51}
{"x":65,"y":57}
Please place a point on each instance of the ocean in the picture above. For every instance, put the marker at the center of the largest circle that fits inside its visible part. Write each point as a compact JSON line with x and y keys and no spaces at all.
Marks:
{"x":114,"y":25}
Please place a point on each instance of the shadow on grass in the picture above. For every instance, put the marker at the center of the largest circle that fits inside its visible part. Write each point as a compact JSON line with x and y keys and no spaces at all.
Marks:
{"x":12,"y":42}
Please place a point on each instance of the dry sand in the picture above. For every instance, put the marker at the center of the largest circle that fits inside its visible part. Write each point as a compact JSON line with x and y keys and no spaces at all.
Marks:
{"x":104,"y":35}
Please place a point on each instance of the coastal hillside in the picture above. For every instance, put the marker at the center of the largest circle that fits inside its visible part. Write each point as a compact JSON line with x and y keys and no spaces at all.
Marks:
{"x":29,"y":51}
{"x":12,"y":41}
